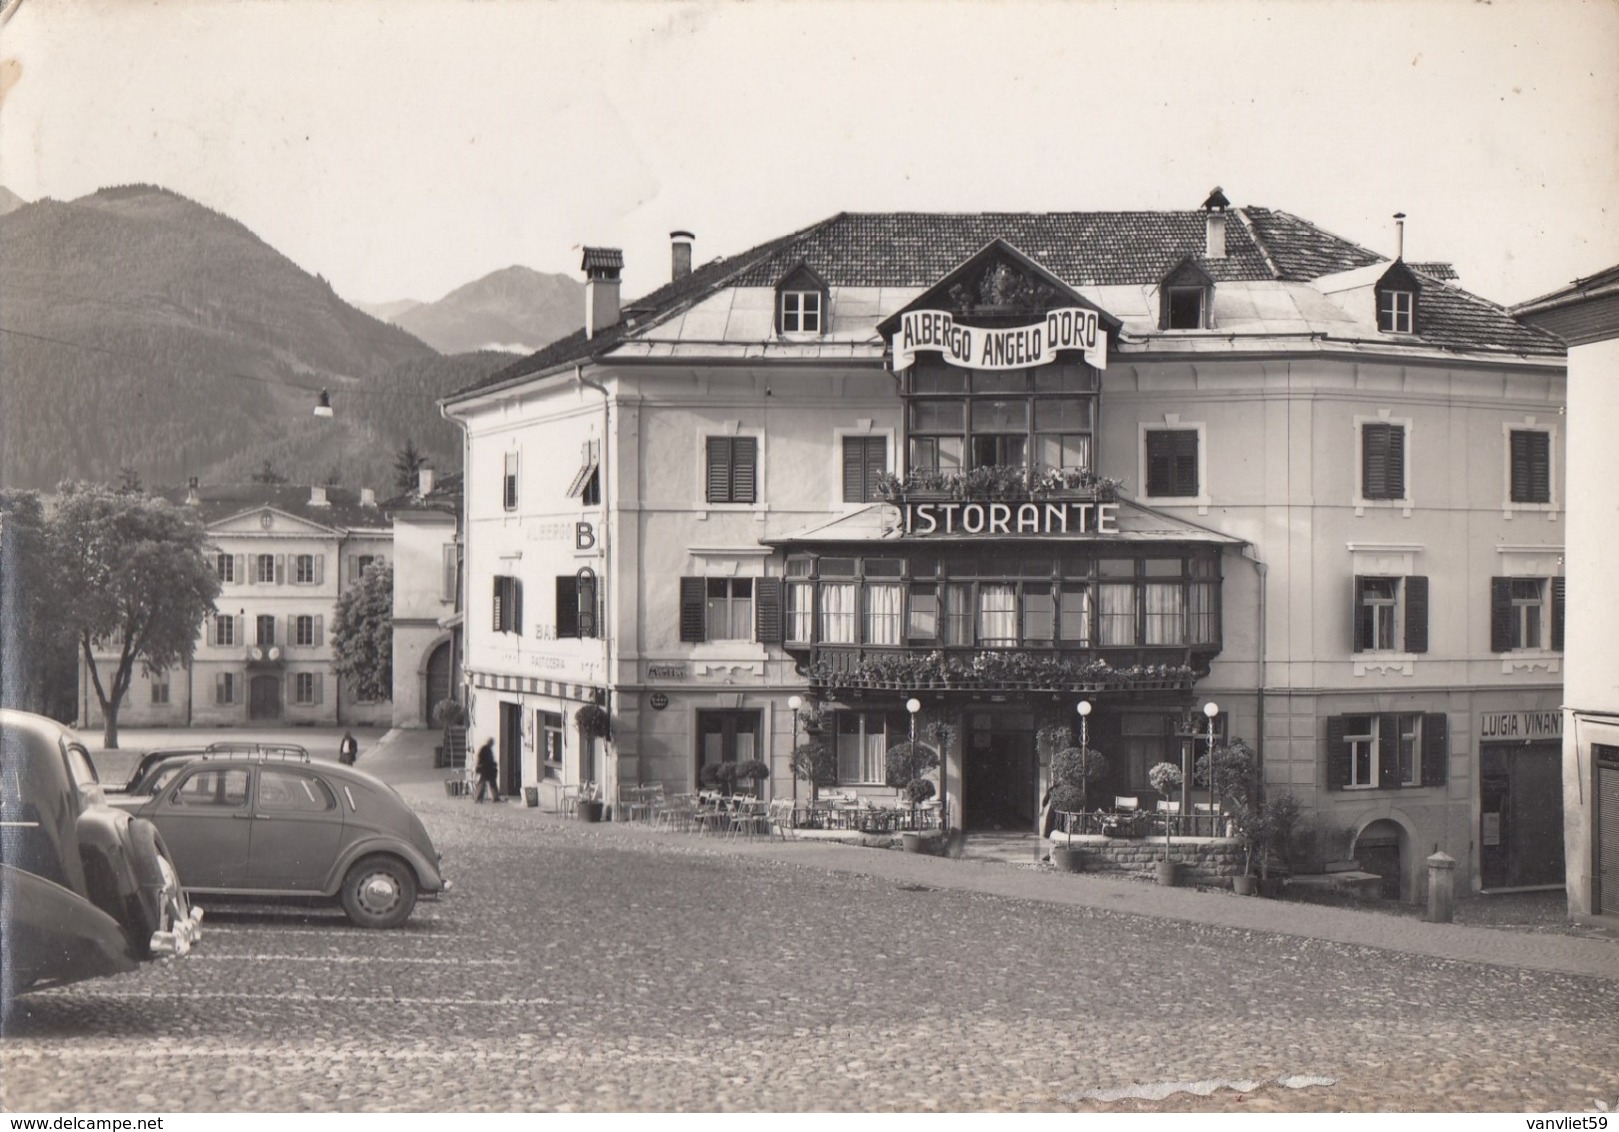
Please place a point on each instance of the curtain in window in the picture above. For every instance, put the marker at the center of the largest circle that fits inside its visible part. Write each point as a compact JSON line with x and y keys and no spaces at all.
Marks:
{"x":1074,"y":615}
{"x":958,"y":618}
{"x":1116,"y":614}
{"x":997,"y":614}
{"x":1166,"y":614}
{"x":874,"y":751}
{"x":1201,"y":609}
{"x":885,"y":603}
{"x":800,"y":611}
{"x":840,"y":611}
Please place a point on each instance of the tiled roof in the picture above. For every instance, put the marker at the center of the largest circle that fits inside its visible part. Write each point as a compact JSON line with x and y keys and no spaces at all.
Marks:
{"x":221,"y":501}
{"x":1084,"y":249}
{"x":445,"y":496}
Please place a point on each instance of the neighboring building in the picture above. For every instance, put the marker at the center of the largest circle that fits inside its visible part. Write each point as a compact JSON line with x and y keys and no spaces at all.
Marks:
{"x":1585,"y":314}
{"x":284,"y":553}
{"x":427,"y":607}
{"x":874,"y":460}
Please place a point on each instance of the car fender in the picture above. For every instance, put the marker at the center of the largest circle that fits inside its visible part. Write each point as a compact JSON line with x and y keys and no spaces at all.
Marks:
{"x":111,"y":878}
{"x":52,"y":935}
{"x":428,"y":878}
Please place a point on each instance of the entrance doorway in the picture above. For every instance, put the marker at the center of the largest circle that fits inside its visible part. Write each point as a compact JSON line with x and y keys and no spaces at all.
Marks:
{"x":440,"y":663}
{"x":1521,"y":816}
{"x":726,"y":737}
{"x":1379,"y":849}
{"x":1605,"y":900}
{"x":264,"y":697}
{"x":510,"y":749}
{"x":1000,"y":771}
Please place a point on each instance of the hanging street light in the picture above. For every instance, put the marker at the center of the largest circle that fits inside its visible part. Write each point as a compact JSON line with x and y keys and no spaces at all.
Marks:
{"x":323,"y":404}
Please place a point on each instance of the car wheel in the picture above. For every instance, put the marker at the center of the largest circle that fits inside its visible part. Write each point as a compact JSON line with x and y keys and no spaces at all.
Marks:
{"x":379,"y":892}
{"x":160,"y":920}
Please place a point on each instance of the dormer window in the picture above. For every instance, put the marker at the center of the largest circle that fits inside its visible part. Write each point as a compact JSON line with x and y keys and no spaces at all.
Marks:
{"x":801,"y":302}
{"x":1396,"y":312}
{"x":800,"y":312}
{"x":1184,"y":297}
{"x":1397,"y":295}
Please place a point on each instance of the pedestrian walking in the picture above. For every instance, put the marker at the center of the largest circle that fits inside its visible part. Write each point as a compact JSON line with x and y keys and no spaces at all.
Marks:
{"x":487,"y":770}
{"x":348,"y":749}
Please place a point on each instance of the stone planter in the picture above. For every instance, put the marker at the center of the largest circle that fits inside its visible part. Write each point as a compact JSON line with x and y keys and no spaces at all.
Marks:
{"x":1068,"y":859}
{"x":913,"y":843}
{"x":1245,"y":885}
{"x":588,"y":810}
{"x":1169,"y":873}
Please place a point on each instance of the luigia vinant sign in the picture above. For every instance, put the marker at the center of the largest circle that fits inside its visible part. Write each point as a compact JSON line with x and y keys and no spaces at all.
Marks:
{"x":1044,"y":518}
{"x":979,"y":347}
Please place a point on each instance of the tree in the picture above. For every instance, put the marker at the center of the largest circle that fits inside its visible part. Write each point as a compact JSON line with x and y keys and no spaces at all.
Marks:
{"x":37,"y":669}
{"x":268,"y":474}
{"x":131,"y":573}
{"x":129,"y":481}
{"x":363,"y":635}
{"x":407,"y":466}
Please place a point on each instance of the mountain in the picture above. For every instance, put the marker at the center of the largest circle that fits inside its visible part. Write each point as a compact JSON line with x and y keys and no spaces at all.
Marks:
{"x":9,"y":201}
{"x":142,"y":329}
{"x":516,"y":309}
{"x":389,"y":311}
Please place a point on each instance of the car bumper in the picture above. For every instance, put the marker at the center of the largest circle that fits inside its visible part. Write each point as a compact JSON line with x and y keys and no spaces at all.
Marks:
{"x":180,"y":940}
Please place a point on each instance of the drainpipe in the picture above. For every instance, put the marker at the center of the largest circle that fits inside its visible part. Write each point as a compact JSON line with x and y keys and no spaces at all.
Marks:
{"x":1259,"y":739}
{"x":606,"y":543}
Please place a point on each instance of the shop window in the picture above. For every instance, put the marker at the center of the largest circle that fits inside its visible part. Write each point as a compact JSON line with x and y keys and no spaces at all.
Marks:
{"x":548,"y":725}
{"x":1526,"y":613}
{"x":732,"y":469}
{"x":1529,"y":452}
{"x":1382,"y":460}
{"x":865,"y":458}
{"x":1391,"y":614}
{"x":1387,"y":751}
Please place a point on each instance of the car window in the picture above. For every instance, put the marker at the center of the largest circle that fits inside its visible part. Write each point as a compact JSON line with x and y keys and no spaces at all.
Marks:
{"x":220,"y":786}
{"x":80,"y":766}
{"x":162,"y":778}
{"x":289,"y":791}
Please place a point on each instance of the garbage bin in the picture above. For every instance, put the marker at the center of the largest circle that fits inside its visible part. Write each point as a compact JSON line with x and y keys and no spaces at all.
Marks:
{"x":588,"y":810}
{"x":531,"y":796}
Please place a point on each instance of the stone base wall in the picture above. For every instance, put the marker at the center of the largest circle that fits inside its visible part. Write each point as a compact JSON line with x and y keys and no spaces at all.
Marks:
{"x":1203,"y":860}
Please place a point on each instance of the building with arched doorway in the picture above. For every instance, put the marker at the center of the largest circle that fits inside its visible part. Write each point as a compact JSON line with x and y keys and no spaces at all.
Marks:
{"x":427,"y":589}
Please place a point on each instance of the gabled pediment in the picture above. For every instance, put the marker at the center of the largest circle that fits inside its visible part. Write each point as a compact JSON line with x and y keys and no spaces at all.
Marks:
{"x":801,"y":277}
{"x":1187,"y":273}
{"x":998,"y":282}
{"x":268,"y":520}
{"x":1399,"y":277}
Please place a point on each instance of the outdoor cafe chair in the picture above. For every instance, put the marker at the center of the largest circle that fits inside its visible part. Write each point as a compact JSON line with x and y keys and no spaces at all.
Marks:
{"x":781,"y":818}
{"x":748,"y":816}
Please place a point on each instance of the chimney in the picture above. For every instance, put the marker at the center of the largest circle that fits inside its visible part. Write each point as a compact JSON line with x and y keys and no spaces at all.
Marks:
{"x":368,"y":497}
{"x":424,"y":480}
{"x":1399,"y":235}
{"x":192,"y":496}
{"x":601,"y":266}
{"x":680,"y":255}
{"x":317,"y":496}
{"x":1214,"y":224}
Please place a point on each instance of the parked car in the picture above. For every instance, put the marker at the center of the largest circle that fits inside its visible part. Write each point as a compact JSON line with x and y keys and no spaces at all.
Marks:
{"x":85,"y":889}
{"x":159,"y":765}
{"x":278,"y":824}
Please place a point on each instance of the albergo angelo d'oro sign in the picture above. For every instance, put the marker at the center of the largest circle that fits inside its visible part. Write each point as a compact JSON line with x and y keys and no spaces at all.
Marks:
{"x":1014,"y":347}
{"x":1030,"y":518}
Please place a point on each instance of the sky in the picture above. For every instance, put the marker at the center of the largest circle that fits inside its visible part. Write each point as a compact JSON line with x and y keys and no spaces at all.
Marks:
{"x":402,"y":148}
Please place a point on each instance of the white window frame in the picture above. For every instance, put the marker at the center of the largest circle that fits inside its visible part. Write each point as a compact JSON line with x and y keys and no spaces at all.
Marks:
{"x":1404,"y":503}
{"x":731,"y":604}
{"x":1172,"y":423}
{"x":301,"y":681}
{"x":1401,"y":309}
{"x":1387,"y":560}
{"x":1543,"y":563}
{"x":1553,"y":505}
{"x":803,"y":315}
{"x":1369,"y":739}
{"x":225,"y":626}
{"x":225,"y":567}
{"x":299,"y":623}
{"x":732,"y":430}
{"x":299,"y":561}
{"x":264,"y":564}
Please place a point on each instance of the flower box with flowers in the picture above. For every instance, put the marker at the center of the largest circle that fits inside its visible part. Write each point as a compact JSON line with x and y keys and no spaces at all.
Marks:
{"x":1007,"y":482}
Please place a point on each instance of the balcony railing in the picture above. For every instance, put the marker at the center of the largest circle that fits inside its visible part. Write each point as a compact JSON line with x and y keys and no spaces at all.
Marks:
{"x":991,"y":670}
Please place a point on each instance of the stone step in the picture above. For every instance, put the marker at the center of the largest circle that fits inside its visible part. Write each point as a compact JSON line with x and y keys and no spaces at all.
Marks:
{"x":1353,"y":883}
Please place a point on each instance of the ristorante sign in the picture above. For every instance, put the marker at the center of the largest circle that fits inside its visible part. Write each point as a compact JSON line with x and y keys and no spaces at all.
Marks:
{"x":979,"y":347}
{"x":1042,"y":518}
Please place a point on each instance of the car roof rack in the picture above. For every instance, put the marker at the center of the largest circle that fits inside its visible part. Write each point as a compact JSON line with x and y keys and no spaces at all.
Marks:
{"x":286,"y":752}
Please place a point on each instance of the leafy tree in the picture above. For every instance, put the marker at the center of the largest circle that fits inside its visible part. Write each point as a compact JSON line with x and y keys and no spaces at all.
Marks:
{"x":36,"y":654}
{"x":407,"y":463}
{"x":268,"y":474}
{"x":132,"y":573}
{"x":129,"y":481}
{"x":362,"y":635}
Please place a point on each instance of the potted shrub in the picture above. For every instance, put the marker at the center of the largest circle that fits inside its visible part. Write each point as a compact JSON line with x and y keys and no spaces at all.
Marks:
{"x":816,"y":763}
{"x":907,"y":766}
{"x":1166,"y":778}
{"x":1281,"y":816}
{"x":1073,"y":770}
{"x":751,"y":773}
{"x":718,"y":776}
{"x":1234,"y":772}
{"x":593,"y":722}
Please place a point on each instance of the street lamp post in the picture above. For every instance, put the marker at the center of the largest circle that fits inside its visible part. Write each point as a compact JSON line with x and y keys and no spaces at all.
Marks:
{"x":1085,"y":750}
{"x":1211,"y":709}
{"x":796,"y":702}
{"x":914,"y":705}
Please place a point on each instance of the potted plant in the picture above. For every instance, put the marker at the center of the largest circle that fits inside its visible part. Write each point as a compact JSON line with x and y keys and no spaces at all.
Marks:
{"x":718,"y":776}
{"x":593,"y":722}
{"x":1281,"y":816}
{"x":1073,"y":770}
{"x":1233,"y":769}
{"x":816,"y":763}
{"x":1166,"y":778}
{"x":907,"y":766}
{"x":752,"y":772}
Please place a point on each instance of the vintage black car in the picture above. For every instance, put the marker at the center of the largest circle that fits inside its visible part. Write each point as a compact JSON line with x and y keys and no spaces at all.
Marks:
{"x":85,"y":889}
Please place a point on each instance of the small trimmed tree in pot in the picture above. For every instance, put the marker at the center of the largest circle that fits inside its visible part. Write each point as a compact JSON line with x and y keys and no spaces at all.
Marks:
{"x":752,"y":772}
{"x":1280,"y":818}
{"x":1073,"y":771}
{"x":816,"y":763}
{"x":907,"y":766}
{"x":1166,"y":778}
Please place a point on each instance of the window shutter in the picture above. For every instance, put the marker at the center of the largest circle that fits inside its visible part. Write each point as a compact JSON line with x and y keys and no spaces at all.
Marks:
{"x":354,"y":568}
{"x":1160,"y":462}
{"x":1435,"y":748}
{"x":587,"y":608}
{"x":1388,"y":752}
{"x":320,"y":569}
{"x":854,"y":469}
{"x":499,"y":604}
{"x":692,"y":626}
{"x":208,"y":624}
{"x":744,"y":468}
{"x":1559,"y":589}
{"x":1396,"y":462}
{"x":767,"y":610}
{"x":281,"y":569}
{"x":1185,"y":445}
{"x":1358,"y":632}
{"x":1373,"y":454}
{"x":1416,"y":613}
{"x":320,"y":688}
{"x":1337,"y":754}
{"x":567,"y":605}
{"x":291,"y":631}
{"x":239,"y":569}
{"x":238,"y":634}
{"x":876,"y":462}
{"x":219,"y":687}
{"x":1531,"y":466}
{"x":719,"y":469}
{"x":448,"y":593}
{"x":252,"y":575}
{"x":517,"y":606}
{"x":320,"y":630}
{"x":1501,"y":615}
